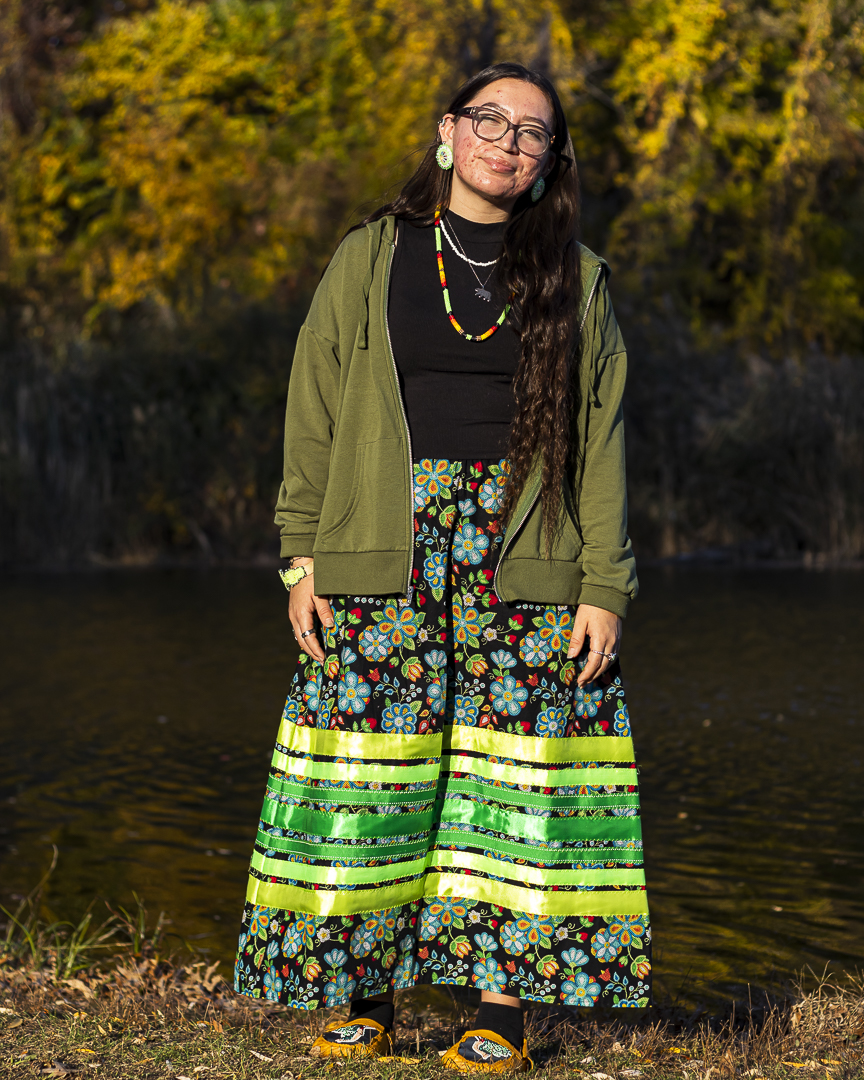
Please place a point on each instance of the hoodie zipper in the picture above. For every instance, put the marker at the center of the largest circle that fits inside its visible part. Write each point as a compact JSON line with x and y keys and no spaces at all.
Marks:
{"x":409,"y":590}
{"x":512,"y":532}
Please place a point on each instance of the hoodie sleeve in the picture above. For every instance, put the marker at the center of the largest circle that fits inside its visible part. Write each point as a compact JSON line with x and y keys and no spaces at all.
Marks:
{"x":310,"y":417}
{"x":608,"y":566}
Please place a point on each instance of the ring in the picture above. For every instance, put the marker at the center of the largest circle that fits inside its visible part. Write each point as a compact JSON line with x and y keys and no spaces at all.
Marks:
{"x":306,"y":633}
{"x":610,"y":656}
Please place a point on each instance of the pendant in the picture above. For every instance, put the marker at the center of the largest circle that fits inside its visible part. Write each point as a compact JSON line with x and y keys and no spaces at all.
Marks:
{"x":484,"y":294}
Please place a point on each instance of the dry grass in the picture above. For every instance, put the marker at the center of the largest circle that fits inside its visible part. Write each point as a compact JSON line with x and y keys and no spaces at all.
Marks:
{"x":69,"y":1005}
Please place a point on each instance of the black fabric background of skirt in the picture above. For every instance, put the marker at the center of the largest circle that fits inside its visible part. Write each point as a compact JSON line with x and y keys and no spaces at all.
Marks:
{"x":445,"y":804}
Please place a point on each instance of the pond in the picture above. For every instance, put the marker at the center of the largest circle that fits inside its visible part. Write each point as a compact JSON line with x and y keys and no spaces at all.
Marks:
{"x":138,"y":711}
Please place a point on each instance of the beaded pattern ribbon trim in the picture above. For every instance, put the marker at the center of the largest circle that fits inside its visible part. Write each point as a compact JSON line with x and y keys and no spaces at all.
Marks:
{"x":447,"y":305}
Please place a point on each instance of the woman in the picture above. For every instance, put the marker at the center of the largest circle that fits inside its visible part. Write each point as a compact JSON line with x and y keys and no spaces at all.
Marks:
{"x":453,"y":795}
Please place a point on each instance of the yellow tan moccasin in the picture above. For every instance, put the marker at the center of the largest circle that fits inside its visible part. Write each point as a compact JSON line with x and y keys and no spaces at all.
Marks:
{"x":353,"y":1038}
{"x":484,"y":1051}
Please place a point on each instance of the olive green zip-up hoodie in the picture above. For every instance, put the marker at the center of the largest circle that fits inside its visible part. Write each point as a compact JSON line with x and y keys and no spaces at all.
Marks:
{"x":346,"y":497}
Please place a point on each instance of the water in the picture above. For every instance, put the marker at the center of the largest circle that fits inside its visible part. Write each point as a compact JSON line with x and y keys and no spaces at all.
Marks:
{"x":138,"y":712}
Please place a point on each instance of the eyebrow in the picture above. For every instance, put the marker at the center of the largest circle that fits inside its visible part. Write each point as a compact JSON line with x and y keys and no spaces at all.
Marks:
{"x":497,"y":107}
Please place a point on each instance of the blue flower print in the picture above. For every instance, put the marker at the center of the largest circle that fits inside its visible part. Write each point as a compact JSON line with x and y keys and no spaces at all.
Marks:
{"x":435,"y":569}
{"x":311,"y":691}
{"x":431,"y":478}
{"x":292,"y":940}
{"x":622,"y":720}
{"x":292,"y":711}
{"x":338,"y":990}
{"x":605,"y":946}
{"x":272,"y":984}
{"x":556,"y":628}
{"x":435,"y":694}
{"x":467,"y":507}
{"x":335,"y":958}
{"x":470,"y":544}
{"x":551,"y":723}
{"x":374,"y":645}
{"x":534,"y":650}
{"x":501,"y":658}
{"x":465,"y":711}
{"x":580,"y":990}
{"x":325,"y":711}
{"x":489,"y":975}
{"x":430,"y":927}
{"x":406,"y":971}
{"x":490,"y":493}
{"x":436,"y":659}
{"x":348,"y":657}
{"x":574,"y":957}
{"x":485,"y":942}
{"x":353,"y":693}
{"x":513,"y":939}
{"x":508,"y":695}
{"x":398,"y":718}
{"x":586,"y":702}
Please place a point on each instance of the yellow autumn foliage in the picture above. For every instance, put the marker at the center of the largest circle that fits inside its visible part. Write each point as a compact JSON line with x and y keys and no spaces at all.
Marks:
{"x":196,"y":150}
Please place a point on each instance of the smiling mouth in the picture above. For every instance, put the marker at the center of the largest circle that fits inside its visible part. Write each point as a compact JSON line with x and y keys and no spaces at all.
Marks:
{"x":499,"y":166}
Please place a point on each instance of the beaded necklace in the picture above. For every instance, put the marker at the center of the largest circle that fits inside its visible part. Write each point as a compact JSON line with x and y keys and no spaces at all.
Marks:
{"x":447,"y":305}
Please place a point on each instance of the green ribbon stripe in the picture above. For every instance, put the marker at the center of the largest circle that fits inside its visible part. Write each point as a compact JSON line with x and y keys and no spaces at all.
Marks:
{"x":349,"y":826}
{"x":532,"y":827}
{"x":350,"y":796}
{"x":332,"y":770}
{"x":522,"y":798}
{"x":553,"y":778}
{"x":341,"y":851}
{"x":463,"y":860}
{"x":534,"y":854}
{"x":605,"y":903}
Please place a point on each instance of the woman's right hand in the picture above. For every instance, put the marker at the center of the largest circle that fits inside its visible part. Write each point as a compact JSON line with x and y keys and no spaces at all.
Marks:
{"x":303,"y":605}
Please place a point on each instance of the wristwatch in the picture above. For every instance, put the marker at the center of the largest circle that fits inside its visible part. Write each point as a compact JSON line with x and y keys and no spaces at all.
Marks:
{"x":296,"y":573}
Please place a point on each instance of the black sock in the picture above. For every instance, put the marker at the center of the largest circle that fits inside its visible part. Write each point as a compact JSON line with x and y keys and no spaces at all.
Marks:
{"x":383,"y":1012}
{"x":507,"y":1021}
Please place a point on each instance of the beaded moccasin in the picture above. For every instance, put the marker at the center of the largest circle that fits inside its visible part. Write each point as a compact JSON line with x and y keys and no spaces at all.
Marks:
{"x":484,"y":1051}
{"x":353,"y":1038}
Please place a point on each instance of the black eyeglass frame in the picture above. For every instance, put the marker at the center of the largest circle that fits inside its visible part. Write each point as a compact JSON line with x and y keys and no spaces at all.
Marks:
{"x":469,"y":110}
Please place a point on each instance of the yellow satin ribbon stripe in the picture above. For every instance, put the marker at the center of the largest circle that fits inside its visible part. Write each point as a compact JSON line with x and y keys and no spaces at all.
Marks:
{"x":374,"y":746}
{"x":554,"y":778}
{"x":601,"y":903}
{"x":605,"y":903}
{"x":531,"y":748}
{"x":333,"y":770}
{"x":463,"y":860}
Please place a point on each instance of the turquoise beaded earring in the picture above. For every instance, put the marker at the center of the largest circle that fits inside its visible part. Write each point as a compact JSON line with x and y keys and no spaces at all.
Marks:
{"x":444,"y":157}
{"x":538,"y":189}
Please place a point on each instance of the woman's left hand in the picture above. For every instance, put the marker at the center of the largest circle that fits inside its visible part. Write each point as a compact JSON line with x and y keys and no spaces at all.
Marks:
{"x":603,"y":630}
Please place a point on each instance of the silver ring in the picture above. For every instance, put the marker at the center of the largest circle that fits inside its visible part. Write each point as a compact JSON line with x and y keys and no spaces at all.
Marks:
{"x":610,"y":656}
{"x":306,"y":633}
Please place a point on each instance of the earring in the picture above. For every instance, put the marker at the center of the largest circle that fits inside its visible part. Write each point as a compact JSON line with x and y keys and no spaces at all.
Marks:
{"x":444,"y":157}
{"x":538,"y":189}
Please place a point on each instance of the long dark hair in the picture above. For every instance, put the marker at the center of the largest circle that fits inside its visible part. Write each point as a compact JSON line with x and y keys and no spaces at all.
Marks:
{"x":540,"y":267}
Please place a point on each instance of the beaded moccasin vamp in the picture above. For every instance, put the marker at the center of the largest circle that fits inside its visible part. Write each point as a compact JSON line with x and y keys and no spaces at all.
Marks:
{"x":353,"y":1038}
{"x":485,"y":1051}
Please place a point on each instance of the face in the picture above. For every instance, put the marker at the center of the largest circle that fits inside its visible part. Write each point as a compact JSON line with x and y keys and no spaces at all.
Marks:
{"x":498,"y":172}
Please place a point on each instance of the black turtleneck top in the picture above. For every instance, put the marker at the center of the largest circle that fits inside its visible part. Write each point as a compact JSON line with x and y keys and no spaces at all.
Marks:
{"x":458,"y":394}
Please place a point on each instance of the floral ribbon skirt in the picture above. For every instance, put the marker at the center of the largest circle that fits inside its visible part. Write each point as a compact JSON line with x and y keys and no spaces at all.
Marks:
{"x":444,"y":804}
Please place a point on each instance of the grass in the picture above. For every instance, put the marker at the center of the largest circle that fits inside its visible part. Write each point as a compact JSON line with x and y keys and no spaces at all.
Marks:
{"x":112,"y":1001}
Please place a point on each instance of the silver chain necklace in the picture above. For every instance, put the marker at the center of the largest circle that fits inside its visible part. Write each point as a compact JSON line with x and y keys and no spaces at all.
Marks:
{"x":482,"y":293}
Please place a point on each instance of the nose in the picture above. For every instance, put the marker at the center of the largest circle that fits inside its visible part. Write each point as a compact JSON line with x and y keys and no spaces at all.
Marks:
{"x":507,"y":142}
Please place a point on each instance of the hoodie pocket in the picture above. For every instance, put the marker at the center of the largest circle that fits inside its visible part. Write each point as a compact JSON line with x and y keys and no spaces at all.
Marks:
{"x":370,"y":513}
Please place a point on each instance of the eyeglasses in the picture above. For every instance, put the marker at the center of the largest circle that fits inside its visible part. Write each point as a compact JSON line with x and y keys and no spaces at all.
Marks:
{"x":489,"y":125}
